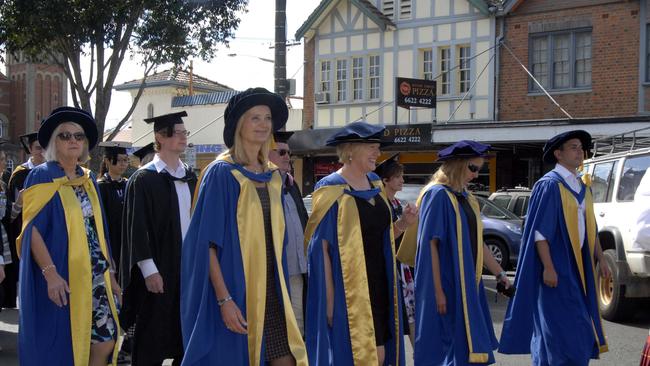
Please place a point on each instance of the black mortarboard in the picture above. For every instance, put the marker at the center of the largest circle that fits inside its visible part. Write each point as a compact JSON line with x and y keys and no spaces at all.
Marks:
{"x":282,"y":136}
{"x":383,"y":168}
{"x":362,"y":132}
{"x":27,"y":140}
{"x":166,"y":121}
{"x":144,"y":151}
{"x":556,"y":142}
{"x":113,"y":148}
{"x":249,"y":98}
{"x":464,"y":149}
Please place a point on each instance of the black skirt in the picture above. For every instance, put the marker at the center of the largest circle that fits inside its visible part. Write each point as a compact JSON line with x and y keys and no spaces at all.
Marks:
{"x":275,"y":326}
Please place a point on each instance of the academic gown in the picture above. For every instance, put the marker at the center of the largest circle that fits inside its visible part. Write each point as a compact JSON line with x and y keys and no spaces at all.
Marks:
{"x":112,"y":195}
{"x":351,"y":338}
{"x":16,"y":183}
{"x":152,"y":229}
{"x":562,"y":325}
{"x":52,"y":335}
{"x":464,"y":335}
{"x":228,"y":215}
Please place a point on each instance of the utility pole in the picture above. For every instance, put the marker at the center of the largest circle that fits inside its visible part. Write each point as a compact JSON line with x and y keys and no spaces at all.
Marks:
{"x":281,"y":48}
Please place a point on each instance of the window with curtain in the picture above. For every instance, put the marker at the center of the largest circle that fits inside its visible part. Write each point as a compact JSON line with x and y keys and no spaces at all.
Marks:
{"x":561,"y":60}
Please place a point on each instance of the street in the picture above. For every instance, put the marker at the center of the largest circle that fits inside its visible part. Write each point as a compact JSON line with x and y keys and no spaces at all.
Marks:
{"x":626,"y":340}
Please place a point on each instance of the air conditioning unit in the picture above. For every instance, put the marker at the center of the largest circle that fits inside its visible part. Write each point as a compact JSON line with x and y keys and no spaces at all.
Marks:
{"x":322,"y":98}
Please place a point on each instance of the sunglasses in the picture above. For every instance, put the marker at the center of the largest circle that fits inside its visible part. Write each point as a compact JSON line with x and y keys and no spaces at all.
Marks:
{"x":473,"y":168}
{"x":67,"y":136}
{"x":283,"y":152}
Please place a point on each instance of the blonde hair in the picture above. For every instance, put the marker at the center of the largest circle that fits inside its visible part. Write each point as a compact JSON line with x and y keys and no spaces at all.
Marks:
{"x":345,"y":151}
{"x":50,"y":152}
{"x":450,"y":173}
{"x":238,"y":153}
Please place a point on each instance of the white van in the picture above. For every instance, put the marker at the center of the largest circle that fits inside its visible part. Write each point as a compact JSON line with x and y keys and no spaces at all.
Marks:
{"x":616,"y":168}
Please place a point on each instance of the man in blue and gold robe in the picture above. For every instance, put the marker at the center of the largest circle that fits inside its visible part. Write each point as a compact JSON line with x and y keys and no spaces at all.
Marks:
{"x":554,"y":314}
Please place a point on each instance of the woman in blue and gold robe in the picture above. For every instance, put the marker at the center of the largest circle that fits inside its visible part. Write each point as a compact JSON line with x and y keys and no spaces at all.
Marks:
{"x":69,"y":296}
{"x":452,"y":318}
{"x":235,"y":307}
{"x":353,"y":292}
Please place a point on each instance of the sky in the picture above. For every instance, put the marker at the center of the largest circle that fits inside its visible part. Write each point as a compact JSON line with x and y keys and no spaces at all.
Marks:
{"x":253,"y":38}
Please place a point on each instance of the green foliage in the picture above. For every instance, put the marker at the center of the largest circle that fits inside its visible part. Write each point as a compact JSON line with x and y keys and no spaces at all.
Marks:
{"x":161,"y":31}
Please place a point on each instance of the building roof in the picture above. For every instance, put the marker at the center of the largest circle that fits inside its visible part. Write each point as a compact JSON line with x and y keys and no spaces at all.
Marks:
{"x":203,"y":99}
{"x":124,"y":134}
{"x":175,"y":77}
{"x":325,"y":6}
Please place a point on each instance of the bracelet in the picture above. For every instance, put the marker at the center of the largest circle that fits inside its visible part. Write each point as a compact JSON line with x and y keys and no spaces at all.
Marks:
{"x":500,"y":275}
{"x":46,"y":268}
{"x":221,"y":302}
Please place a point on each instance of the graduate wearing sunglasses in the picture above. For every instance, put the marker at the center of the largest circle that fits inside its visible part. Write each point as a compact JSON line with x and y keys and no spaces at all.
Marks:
{"x":69,"y":296}
{"x":453,"y":324}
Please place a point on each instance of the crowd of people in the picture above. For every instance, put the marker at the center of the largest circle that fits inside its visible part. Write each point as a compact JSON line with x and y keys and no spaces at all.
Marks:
{"x":227,"y":268}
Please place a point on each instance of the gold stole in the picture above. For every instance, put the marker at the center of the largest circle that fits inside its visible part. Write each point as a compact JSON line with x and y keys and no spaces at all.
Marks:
{"x":79,"y":267}
{"x":350,"y":245}
{"x":570,"y":211}
{"x":251,"y":239}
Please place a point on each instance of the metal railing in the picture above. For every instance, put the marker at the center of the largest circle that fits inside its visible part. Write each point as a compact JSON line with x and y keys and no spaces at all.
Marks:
{"x":622,"y":142}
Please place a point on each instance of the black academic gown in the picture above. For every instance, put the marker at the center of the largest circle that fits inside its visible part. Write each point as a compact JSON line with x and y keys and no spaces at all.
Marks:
{"x":112,"y":196}
{"x":16,"y":183}
{"x":152,"y":229}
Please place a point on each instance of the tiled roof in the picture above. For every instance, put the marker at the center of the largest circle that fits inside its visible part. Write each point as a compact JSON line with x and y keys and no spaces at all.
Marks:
{"x":175,"y":77}
{"x":203,"y":99}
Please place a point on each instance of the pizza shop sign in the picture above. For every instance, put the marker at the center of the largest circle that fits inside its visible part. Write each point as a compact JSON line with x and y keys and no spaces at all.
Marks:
{"x":408,"y":134}
{"x":415,"y":93}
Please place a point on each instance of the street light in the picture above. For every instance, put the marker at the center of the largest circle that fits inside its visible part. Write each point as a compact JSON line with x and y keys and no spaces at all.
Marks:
{"x":257,"y":57}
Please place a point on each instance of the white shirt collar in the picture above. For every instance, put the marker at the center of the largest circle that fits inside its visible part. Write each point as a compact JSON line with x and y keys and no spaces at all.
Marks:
{"x":565,"y":173}
{"x":161,"y":165}
{"x":30,"y":164}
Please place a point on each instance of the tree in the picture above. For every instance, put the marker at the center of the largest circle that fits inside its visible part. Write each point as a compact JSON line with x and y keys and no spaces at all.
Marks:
{"x":104,"y":32}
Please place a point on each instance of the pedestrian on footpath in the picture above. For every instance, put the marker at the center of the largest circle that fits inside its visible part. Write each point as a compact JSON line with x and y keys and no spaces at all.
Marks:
{"x":155,"y":220}
{"x":354,"y":313}
{"x":554,"y":314}
{"x":296,"y":218}
{"x":69,"y":296}
{"x":235,"y":307}
{"x":452,"y":317}
{"x":391,"y":173}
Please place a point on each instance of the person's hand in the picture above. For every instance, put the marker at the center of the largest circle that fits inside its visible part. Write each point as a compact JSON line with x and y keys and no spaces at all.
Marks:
{"x":550,"y":277}
{"x":410,"y":214}
{"x":2,"y":273}
{"x":57,"y":288}
{"x":115,"y":287}
{"x":233,"y":318}
{"x":154,"y":283}
{"x":505,"y":280}
{"x":605,"y":272}
{"x":441,"y":302}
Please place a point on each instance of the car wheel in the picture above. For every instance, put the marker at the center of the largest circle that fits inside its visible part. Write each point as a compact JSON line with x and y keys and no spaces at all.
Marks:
{"x":611,"y":297}
{"x":499,"y":251}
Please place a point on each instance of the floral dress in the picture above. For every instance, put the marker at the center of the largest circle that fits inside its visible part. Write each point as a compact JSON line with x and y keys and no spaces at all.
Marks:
{"x":103,"y":325}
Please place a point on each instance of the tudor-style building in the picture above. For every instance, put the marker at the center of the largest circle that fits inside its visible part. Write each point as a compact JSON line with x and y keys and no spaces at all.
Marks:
{"x":354,"y":51}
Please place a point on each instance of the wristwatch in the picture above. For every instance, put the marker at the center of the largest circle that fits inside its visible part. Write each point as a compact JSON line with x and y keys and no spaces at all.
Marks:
{"x":501,"y":274}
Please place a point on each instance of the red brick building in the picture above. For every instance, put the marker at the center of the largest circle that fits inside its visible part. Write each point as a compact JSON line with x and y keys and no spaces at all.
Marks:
{"x":28,"y":92}
{"x":584,"y":52}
